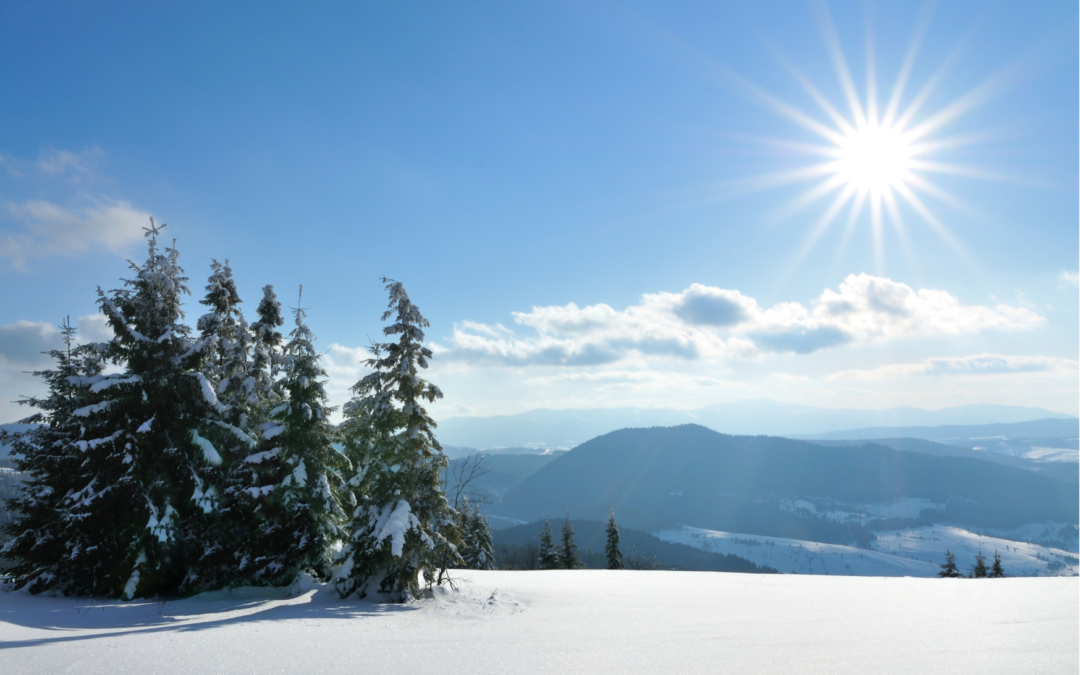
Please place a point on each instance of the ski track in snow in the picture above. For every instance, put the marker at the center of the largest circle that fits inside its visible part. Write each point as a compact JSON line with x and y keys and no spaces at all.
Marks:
{"x":582,"y":621}
{"x":917,"y":552}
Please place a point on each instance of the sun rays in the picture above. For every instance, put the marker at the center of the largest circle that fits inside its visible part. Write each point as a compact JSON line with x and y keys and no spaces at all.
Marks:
{"x":872,"y":158}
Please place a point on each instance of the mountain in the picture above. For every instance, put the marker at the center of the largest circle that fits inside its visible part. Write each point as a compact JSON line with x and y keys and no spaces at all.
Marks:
{"x":659,"y":478}
{"x":568,"y":428}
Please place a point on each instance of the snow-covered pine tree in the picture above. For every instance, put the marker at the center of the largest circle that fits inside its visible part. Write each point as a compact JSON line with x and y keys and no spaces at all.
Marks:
{"x":949,"y":569}
{"x":980,"y":570}
{"x":252,"y":517}
{"x":478,"y":549}
{"x":46,"y":549}
{"x":611,"y":547}
{"x":308,"y":499}
{"x":996,"y":570}
{"x":549,"y":559}
{"x":155,"y":471}
{"x":402,"y":527}
{"x":568,"y":557}
{"x":225,"y":341}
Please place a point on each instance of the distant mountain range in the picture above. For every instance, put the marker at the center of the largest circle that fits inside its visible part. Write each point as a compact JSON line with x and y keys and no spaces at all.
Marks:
{"x":568,"y":428}
{"x":659,"y":478}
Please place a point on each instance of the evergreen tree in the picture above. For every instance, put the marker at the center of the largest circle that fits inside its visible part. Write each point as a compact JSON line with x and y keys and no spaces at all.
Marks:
{"x":980,"y":570}
{"x":147,"y":506}
{"x":47,"y":549}
{"x":611,"y":548}
{"x":549,"y":559}
{"x":477,"y":549}
{"x":996,"y":570}
{"x":253,"y":520}
{"x":568,"y":557}
{"x":949,"y":570}
{"x":309,"y":497}
{"x":402,"y":526}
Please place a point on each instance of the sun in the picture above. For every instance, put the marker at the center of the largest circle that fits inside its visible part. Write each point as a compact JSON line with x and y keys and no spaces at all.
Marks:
{"x":874,"y":159}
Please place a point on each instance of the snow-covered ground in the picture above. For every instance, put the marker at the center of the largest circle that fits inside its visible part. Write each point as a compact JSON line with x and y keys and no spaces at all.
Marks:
{"x":795,"y":556}
{"x":1017,"y":557}
{"x":582,"y":621}
{"x":915,"y":553}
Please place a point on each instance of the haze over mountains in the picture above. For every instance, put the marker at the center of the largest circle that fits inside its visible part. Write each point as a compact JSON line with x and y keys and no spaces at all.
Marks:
{"x":568,"y":428}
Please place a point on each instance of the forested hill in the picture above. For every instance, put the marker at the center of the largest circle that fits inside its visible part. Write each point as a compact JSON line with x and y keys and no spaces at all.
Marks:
{"x":690,"y":475}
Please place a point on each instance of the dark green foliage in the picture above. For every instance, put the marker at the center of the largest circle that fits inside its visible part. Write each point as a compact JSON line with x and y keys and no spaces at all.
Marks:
{"x":949,"y":569}
{"x":996,"y":570}
{"x":477,"y":549}
{"x":980,"y":571}
{"x":611,"y":546}
{"x":46,"y":546}
{"x":309,"y":496}
{"x":568,"y":553}
{"x":402,"y":526}
{"x":549,"y":559}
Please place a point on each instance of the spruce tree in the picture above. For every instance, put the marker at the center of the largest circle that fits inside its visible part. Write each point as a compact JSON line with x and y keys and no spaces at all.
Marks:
{"x":402,"y":526}
{"x":980,"y":570}
{"x":948,"y":569}
{"x":47,"y":549}
{"x":568,"y":557}
{"x":253,"y":519}
{"x":477,"y":549}
{"x":611,"y":548}
{"x":147,"y":508}
{"x":309,"y":496}
{"x":549,"y":559}
{"x":996,"y":570}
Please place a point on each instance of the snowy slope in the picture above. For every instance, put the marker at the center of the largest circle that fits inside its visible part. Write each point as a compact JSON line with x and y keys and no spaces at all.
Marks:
{"x":583,"y":621}
{"x":916,"y":552}
{"x":795,"y":556}
{"x":1018,"y":558}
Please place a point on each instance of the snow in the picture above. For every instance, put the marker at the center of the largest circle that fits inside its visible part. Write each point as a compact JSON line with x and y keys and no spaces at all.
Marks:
{"x":208,"y":449}
{"x":917,"y":552}
{"x":395,"y":524}
{"x":208,"y":393}
{"x":1017,"y":558}
{"x":580,"y":621}
{"x":796,"y":556}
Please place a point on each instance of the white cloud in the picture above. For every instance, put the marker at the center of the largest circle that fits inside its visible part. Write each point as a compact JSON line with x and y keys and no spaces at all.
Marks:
{"x":49,"y":229}
{"x":1068,"y":278}
{"x":978,"y":364}
{"x":22,"y":344}
{"x":77,"y":166}
{"x":704,"y":323}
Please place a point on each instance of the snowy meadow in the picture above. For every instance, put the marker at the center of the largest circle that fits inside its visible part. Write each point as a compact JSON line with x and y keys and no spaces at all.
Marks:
{"x":582,"y":621}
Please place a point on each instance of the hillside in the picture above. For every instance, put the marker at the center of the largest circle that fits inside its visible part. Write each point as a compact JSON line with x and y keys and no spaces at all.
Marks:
{"x":660,"y":478}
{"x":568,"y":428}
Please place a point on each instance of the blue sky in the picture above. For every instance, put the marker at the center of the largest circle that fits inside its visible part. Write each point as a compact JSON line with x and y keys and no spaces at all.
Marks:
{"x":505,"y":160}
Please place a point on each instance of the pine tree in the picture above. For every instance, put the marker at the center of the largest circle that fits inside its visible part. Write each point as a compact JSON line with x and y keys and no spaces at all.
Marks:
{"x":980,"y":570}
{"x":148,"y":504}
{"x":549,"y":559}
{"x":253,"y":520}
{"x":568,"y":557}
{"x":477,"y":549}
{"x":949,"y":569}
{"x":611,"y":548}
{"x":46,"y":549}
{"x":402,"y":526}
{"x":996,"y":570}
{"x":309,"y":497}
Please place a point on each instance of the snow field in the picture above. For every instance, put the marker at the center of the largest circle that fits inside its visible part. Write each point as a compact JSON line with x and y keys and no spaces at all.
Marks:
{"x":581,"y":621}
{"x":917,"y":552}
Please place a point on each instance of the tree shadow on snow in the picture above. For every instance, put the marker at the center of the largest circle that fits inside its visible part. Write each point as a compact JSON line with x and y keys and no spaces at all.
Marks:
{"x":82,"y":620}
